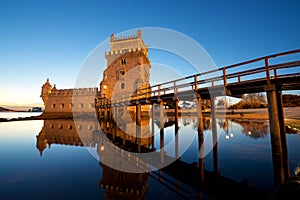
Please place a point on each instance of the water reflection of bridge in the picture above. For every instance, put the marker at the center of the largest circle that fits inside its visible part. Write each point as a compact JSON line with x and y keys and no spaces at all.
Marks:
{"x":124,"y":185}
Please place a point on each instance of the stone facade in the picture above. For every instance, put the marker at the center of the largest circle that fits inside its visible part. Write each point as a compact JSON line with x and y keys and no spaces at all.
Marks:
{"x":128,"y":69}
{"x":64,"y":102}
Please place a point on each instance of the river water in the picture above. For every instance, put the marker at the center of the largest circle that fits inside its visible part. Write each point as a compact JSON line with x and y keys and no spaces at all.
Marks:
{"x":50,"y":160}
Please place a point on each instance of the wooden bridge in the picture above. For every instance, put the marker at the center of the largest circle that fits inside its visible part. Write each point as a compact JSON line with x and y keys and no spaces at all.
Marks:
{"x":271,"y":74}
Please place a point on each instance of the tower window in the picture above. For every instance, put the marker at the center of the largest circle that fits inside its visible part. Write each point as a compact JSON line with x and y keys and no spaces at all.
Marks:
{"x":123,"y":61}
{"x":122,"y":85}
{"x":53,"y":105}
{"x":81,"y":105}
{"x":122,"y":72}
{"x":62,"y":105}
{"x":71,"y":105}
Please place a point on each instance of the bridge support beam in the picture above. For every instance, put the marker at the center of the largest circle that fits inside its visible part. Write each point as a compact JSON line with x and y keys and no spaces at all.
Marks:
{"x":176,"y":128}
{"x":176,"y":115}
{"x":115,"y":118}
{"x":138,"y":124}
{"x":152,"y":127}
{"x":275,"y":135}
{"x":283,"y":135}
{"x":162,"y":125}
{"x":200,"y":141}
{"x":214,"y":135}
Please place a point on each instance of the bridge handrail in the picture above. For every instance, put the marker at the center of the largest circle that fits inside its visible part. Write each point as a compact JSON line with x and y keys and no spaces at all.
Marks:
{"x":173,"y":86}
{"x":242,"y":73}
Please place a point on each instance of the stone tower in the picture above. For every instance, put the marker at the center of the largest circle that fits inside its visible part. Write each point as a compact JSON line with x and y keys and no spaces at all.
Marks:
{"x":46,"y":90}
{"x":128,"y":67}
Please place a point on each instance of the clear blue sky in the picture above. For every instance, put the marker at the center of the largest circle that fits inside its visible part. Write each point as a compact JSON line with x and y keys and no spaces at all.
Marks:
{"x":51,"y":39}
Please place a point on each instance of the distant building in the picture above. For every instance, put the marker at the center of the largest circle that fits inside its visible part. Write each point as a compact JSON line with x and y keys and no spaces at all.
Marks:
{"x":128,"y":70}
{"x":36,"y":109}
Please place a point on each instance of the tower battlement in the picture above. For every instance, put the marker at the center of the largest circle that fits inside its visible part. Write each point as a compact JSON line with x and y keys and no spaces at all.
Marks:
{"x":123,"y":51}
{"x":126,"y":37}
{"x":127,"y":42}
{"x":74,"y":92}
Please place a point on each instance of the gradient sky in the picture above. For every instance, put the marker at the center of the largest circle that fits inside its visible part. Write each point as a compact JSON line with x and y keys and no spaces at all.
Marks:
{"x":51,"y":39}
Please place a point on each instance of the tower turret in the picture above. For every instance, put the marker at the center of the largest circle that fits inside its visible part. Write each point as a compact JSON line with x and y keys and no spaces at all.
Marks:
{"x":46,"y":90}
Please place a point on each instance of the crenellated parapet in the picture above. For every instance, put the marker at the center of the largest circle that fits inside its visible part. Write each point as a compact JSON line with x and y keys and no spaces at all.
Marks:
{"x":85,"y":91}
{"x":120,"y":38}
{"x":74,"y":92}
{"x":120,"y":52}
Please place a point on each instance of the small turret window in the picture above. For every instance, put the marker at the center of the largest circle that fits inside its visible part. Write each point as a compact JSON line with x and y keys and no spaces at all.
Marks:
{"x":123,"y":61}
{"x":122,"y":72}
{"x":122,"y":85}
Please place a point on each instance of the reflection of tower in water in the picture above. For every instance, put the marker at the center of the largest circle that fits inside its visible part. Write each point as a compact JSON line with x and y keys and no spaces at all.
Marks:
{"x":117,"y":184}
{"x":123,"y":185}
{"x":61,"y":131}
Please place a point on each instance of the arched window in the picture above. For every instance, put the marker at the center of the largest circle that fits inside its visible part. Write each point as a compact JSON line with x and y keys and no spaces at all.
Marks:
{"x":122,"y":85}
{"x":123,"y":61}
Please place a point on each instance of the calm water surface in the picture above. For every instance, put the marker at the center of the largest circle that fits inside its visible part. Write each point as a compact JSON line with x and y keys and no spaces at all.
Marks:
{"x":10,"y":115}
{"x":47,"y":160}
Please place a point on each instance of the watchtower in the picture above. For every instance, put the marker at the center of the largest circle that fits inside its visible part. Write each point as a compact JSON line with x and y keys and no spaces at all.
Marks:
{"x":128,"y":67}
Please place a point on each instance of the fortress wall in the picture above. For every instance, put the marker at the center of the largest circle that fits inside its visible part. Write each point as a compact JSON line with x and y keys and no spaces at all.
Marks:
{"x":71,"y":100}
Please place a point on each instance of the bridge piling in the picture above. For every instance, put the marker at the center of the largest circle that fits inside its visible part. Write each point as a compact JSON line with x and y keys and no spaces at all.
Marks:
{"x":138,"y":124}
{"x":162,"y":124}
{"x":275,"y":135}
{"x":283,"y":135}
{"x":214,"y":135}
{"x":200,"y":141}
{"x":152,"y":126}
{"x":176,"y":128}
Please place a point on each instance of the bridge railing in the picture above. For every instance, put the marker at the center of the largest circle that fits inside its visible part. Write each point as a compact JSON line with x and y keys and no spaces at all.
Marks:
{"x":283,"y":64}
{"x":232,"y":74}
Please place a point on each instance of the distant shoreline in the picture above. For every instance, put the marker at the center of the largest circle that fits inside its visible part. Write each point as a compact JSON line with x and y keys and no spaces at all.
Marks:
{"x":292,"y":115}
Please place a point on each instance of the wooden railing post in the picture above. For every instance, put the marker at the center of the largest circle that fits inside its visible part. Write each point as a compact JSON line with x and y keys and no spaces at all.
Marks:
{"x":224,"y":77}
{"x":158,"y":90}
{"x":175,"y":88}
{"x":275,"y":73}
{"x":267,"y":71}
{"x":196,"y":82}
